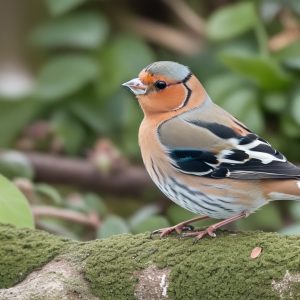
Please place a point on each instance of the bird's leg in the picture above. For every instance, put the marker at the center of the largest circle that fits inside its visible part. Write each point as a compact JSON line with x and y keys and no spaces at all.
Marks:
{"x":211,"y":229}
{"x":178,"y":228}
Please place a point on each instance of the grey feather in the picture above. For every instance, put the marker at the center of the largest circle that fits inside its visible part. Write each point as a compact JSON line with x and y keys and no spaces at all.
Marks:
{"x":172,"y":70}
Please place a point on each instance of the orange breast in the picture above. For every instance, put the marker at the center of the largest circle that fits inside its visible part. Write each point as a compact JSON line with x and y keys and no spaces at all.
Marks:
{"x":149,"y":143}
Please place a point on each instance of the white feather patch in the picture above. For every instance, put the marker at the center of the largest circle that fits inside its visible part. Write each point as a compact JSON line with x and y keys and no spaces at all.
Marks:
{"x":265,"y":158}
{"x":298,"y":184}
{"x":222,"y":157}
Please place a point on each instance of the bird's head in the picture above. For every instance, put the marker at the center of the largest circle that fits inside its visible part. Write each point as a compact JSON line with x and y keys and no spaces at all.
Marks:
{"x":164,"y":86}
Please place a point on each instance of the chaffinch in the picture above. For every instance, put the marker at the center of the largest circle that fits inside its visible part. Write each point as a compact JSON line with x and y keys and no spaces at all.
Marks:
{"x":200,"y":156}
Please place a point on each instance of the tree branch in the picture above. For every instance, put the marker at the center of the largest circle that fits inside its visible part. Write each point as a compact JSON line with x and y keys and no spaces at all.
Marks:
{"x":174,"y":39}
{"x":91,"y":220}
{"x":187,"y":15}
{"x":129,"y":180}
{"x":38,"y":265}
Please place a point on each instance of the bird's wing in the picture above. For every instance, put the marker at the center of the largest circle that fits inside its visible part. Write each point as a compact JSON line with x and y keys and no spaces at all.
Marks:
{"x":222,"y":148}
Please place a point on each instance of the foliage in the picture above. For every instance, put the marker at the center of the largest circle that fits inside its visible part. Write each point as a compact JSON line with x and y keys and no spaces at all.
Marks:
{"x":222,"y":24}
{"x":14,"y":208}
{"x":84,"y":50}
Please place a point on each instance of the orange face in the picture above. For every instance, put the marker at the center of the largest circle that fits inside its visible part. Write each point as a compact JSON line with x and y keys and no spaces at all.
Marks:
{"x":167,"y":87}
{"x":162,"y":94}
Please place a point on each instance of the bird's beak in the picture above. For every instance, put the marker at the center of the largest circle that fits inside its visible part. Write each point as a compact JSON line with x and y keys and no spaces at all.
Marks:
{"x":136,"y":86}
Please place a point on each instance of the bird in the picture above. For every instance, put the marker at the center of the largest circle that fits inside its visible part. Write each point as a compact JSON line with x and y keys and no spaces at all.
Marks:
{"x":200,"y":156}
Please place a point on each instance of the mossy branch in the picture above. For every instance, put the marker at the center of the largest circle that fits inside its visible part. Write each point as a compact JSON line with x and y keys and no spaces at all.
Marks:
{"x":38,"y":265}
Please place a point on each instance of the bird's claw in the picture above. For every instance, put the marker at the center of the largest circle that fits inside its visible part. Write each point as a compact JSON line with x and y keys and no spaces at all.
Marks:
{"x":208,"y":231}
{"x":199,"y":234}
{"x":211,"y":232}
{"x":168,"y":230}
{"x":162,"y":232}
{"x":158,"y":231}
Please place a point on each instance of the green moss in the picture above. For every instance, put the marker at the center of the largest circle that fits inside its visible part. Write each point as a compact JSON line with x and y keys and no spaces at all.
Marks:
{"x":22,"y":250}
{"x":220,"y":267}
{"x":223,"y":267}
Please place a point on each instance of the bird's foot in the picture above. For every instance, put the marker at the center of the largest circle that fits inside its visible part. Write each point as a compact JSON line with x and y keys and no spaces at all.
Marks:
{"x":199,"y":234}
{"x":179,"y":228}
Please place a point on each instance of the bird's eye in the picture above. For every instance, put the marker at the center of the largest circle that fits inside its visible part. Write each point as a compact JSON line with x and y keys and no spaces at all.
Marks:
{"x":160,"y":84}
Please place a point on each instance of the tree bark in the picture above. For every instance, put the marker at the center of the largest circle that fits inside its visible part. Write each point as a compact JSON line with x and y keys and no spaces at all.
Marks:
{"x":38,"y":265}
{"x":131,"y":180}
{"x":123,"y":180}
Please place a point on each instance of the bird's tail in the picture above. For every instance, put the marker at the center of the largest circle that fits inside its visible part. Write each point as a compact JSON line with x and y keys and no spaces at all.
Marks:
{"x":285,"y":190}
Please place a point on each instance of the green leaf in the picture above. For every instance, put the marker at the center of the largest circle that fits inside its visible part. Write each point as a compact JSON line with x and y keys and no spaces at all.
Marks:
{"x":219,"y":86}
{"x":69,"y":131}
{"x":295,"y":107}
{"x":86,"y":30}
{"x":204,"y":64}
{"x":65,"y":75}
{"x":242,"y":103}
{"x":90,"y":114}
{"x":50,"y":192}
{"x":118,"y":109}
{"x":289,"y":127}
{"x":14,"y":208}
{"x":59,"y":7}
{"x":142,"y":214}
{"x":121,"y":62}
{"x":238,"y":101}
{"x":151,"y":223}
{"x":14,"y":115}
{"x":231,"y":21}
{"x":275,"y":102}
{"x":122,"y":116}
{"x":264,"y":71}
{"x":95,"y":203}
{"x":15,"y":164}
{"x":254,"y":118}
{"x":56,"y":228}
{"x":111,"y":226}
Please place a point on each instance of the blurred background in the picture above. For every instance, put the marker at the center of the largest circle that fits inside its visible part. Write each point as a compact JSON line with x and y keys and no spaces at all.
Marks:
{"x":68,"y":131}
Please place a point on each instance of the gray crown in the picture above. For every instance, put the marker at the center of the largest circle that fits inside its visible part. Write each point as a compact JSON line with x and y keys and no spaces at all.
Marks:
{"x":170,"y":69}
